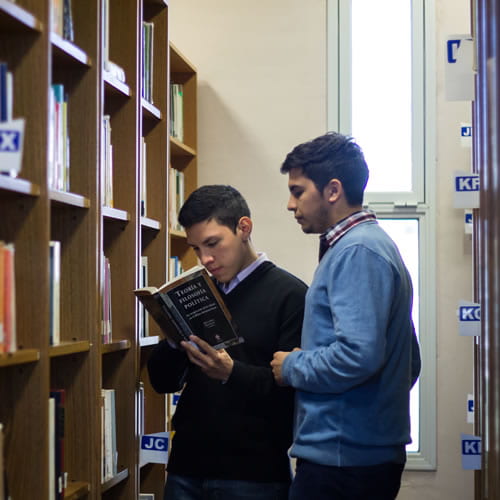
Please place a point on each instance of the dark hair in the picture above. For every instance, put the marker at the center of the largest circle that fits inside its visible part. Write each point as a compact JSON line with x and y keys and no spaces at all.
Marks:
{"x":331,"y":156}
{"x":222,"y":203}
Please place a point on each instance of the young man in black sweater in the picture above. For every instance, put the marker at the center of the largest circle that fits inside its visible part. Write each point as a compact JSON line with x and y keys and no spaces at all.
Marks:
{"x":233,"y":424}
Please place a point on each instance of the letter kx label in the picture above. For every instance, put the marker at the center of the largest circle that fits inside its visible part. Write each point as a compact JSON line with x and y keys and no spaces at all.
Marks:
{"x":471,"y":447}
{"x":467,"y":183}
{"x":9,"y":141}
{"x":470,"y":313}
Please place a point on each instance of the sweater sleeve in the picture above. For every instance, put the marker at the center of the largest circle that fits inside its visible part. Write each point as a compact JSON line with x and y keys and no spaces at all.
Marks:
{"x":416,"y":362}
{"x":349,"y":346}
{"x":167,"y":368}
{"x":258,"y":381}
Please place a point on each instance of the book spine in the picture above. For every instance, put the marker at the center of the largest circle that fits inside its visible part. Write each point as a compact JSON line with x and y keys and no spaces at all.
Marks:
{"x":176,"y":316}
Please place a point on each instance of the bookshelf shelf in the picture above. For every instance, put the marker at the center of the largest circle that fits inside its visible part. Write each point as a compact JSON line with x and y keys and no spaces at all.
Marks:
{"x":66,"y":53}
{"x":121,"y":476}
{"x":115,"y":214}
{"x":66,"y":198}
{"x":66,"y":348}
{"x":76,"y":490}
{"x":14,"y":18}
{"x":113,"y":86}
{"x":149,"y":341}
{"x":18,"y":186}
{"x":177,"y":233}
{"x":178,"y":148}
{"x":116,"y":345}
{"x":19,"y":357}
{"x":148,"y":223}
{"x":150,"y":111}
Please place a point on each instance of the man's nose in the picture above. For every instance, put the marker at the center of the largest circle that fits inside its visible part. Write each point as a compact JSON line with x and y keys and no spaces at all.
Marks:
{"x":206,"y":258}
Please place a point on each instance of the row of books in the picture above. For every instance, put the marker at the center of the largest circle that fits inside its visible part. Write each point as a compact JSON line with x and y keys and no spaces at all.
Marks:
{"x":147,"y":60}
{"x":54,"y":292}
{"x":176,"y":196}
{"x":58,"y":478}
{"x":174,"y":266}
{"x":107,"y":163}
{"x":175,"y":269}
{"x":8,"y":338}
{"x":8,"y":303}
{"x":62,"y":19}
{"x":106,"y":332}
{"x":109,"y":451}
{"x":177,"y":111}
{"x":59,"y":156}
{"x":111,"y":67}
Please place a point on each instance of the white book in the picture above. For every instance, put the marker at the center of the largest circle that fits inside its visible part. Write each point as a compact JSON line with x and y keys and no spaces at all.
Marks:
{"x":143,"y":314}
{"x":55,"y":292}
{"x":110,"y":453}
{"x":105,"y":43}
{"x":108,"y":468}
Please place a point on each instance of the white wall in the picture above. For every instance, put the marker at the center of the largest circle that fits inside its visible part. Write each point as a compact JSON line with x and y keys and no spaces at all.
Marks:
{"x":262,"y":90}
{"x":454,"y":282}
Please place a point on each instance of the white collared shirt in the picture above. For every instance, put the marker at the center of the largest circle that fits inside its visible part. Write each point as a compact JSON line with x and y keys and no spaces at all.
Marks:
{"x":227,"y":287}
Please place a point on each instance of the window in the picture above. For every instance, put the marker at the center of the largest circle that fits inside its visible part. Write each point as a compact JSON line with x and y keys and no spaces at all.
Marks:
{"x":378,"y":73}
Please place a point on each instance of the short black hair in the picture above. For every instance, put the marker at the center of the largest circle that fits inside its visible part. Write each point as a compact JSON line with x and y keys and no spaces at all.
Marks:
{"x":223,"y":203}
{"x":331,"y":156}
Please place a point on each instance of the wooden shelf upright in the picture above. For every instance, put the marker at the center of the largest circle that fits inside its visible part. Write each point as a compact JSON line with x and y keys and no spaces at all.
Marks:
{"x":122,"y":226}
{"x":183,"y":155}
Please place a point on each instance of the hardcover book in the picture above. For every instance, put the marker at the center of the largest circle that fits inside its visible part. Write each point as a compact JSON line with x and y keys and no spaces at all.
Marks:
{"x":190,"y":304}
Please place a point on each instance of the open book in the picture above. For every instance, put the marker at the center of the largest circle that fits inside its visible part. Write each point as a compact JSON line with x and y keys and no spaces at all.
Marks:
{"x":190,"y":304}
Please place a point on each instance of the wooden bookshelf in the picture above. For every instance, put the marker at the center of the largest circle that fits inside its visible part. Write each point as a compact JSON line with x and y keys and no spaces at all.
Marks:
{"x":34,"y":213}
{"x":183,"y":155}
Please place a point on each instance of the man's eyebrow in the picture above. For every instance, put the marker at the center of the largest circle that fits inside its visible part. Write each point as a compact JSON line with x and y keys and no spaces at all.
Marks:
{"x":204,"y":242}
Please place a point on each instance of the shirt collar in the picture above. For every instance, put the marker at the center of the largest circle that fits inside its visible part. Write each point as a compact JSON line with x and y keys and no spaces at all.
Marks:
{"x":335,"y":232}
{"x":227,"y":287}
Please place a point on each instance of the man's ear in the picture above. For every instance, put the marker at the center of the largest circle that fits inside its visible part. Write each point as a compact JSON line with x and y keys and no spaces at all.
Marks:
{"x":245,"y":225}
{"x":333,"y":190}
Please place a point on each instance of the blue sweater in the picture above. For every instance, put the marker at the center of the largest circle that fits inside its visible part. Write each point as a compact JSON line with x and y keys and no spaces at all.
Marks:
{"x":360,"y":355}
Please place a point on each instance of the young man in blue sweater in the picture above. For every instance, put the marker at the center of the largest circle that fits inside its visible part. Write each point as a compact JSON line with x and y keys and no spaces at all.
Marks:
{"x":233,"y":423}
{"x":359,"y":355}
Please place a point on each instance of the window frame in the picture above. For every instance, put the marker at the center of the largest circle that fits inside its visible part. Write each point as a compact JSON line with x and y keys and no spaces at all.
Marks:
{"x":420,"y":202}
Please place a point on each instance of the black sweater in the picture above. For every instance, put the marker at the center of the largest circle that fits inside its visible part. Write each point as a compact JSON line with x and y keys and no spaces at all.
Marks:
{"x":241,"y":429}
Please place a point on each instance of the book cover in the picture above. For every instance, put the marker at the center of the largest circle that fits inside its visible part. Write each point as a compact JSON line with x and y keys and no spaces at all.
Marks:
{"x":190,"y":304}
